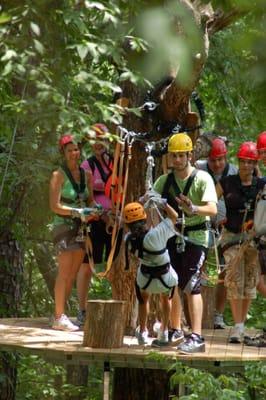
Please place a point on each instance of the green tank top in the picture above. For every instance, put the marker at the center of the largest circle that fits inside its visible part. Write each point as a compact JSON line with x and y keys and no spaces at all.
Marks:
{"x":69,"y":193}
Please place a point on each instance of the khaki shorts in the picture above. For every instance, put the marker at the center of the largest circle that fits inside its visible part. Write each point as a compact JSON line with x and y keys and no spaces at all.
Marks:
{"x":242,"y":275}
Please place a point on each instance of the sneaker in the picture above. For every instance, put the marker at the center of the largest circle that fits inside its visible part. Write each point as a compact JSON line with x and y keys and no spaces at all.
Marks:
{"x":162,"y":339}
{"x":81,"y":317}
{"x":192,"y":344}
{"x":236,"y":335}
{"x":64,"y":324}
{"x":218,"y":322}
{"x":175,"y":335}
{"x":156,"y":327}
{"x":256,"y":341}
{"x":141,"y":336}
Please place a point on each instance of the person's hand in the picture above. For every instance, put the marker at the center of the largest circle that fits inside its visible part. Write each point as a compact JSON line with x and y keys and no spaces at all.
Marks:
{"x":82,"y":213}
{"x":186,"y":204}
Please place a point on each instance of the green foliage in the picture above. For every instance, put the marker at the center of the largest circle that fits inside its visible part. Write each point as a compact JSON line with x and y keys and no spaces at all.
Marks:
{"x":204,"y":385}
{"x":38,"y":379}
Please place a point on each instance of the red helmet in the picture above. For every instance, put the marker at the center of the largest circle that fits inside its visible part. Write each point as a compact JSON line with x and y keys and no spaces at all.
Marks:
{"x":64,"y":140}
{"x":100,"y":129}
{"x":261,"y":141}
{"x":218,"y":148}
{"x":248,"y":151}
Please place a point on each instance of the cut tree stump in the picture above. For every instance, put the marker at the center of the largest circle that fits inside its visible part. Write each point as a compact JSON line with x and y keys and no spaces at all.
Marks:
{"x":105,"y":323}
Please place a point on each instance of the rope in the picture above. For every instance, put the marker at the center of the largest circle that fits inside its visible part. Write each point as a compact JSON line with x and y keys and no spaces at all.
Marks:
{"x":11,"y":145}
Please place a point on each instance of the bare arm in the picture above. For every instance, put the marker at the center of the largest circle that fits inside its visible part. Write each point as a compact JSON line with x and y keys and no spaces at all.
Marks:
{"x":56,"y":183}
{"x":91,"y":201}
{"x":171,"y":213}
{"x":209,"y":209}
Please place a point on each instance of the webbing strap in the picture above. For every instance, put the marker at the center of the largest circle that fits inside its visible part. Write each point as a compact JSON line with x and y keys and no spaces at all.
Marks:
{"x":79,"y":188}
{"x":171,"y":182}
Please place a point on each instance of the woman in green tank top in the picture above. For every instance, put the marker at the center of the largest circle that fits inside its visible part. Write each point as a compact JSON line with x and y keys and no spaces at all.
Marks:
{"x":70,"y":192}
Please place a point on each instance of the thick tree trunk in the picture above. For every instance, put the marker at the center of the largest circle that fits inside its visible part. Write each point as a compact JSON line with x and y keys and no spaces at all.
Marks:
{"x":11,"y":283}
{"x":140,"y":384}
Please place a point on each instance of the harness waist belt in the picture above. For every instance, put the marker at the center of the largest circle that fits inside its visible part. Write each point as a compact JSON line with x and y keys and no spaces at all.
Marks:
{"x":155,"y":272}
{"x":199,"y":227}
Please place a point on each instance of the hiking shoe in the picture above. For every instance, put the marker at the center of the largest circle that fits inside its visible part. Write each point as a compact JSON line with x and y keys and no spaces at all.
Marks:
{"x":81,"y":317}
{"x":236,"y":335}
{"x":256,"y":341}
{"x":64,"y":324}
{"x":218,"y":322}
{"x":175,"y":335}
{"x":141,"y":336}
{"x":192,"y":344}
{"x":162,"y":339}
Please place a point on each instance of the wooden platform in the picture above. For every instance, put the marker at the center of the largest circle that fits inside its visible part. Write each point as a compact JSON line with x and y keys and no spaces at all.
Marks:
{"x":34,"y":336}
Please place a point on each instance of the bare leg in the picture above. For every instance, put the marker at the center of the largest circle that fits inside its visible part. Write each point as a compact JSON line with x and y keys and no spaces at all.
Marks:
{"x":195,"y":306}
{"x":261,"y":286}
{"x":176,"y":311}
{"x":68,"y":265}
{"x":83,"y":283}
{"x":144,"y":311}
{"x":220,"y":298}
{"x":166,"y":308}
{"x":239,"y":308}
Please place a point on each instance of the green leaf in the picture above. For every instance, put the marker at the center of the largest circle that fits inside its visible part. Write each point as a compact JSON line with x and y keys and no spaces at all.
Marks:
{"x":35,"y":29}
{"x":38,"y":46}
{"x":94,"y":4}
{"x":8,"y":55}
{"x":8,"y":68}
{"x":4,"y":18}
{"x":82,"y":51}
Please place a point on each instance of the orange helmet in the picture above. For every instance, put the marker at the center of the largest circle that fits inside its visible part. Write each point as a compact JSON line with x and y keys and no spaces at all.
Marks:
{"x":218,"y":148}
{"x":261,"y":141}
{"x":248,"y":151}
{"x":100,"y":129}
{"x":134,"y":212}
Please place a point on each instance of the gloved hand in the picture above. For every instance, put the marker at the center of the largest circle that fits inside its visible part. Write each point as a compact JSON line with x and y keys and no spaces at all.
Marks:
{"x":186,"y":204}
{"x":154,"y":198}
{"x":81,"y":213}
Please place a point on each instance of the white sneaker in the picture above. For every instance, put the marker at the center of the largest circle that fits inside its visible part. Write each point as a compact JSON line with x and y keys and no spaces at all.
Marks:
{"x":141,"y":336}
{"x":156,"y":327}
{"x":236,"y":335}
{"x":218,"y":321}
{"x":64,"y":324}
{"x":162,"y":339}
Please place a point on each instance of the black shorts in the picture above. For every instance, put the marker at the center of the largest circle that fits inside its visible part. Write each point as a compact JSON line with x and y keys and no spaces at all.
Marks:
{"x":187,"y":265}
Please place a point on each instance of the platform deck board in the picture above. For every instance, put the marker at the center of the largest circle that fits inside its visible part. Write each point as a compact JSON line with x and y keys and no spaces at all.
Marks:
{"x":34,"y":336}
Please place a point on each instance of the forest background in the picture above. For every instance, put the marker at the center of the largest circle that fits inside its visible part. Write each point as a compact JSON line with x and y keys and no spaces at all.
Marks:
{"x":62,"y":65}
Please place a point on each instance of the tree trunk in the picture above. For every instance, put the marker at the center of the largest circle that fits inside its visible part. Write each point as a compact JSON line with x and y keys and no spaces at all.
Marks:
{"x":140,"y":384}
{"x":77,"y":376}
{"x":11,"y":281}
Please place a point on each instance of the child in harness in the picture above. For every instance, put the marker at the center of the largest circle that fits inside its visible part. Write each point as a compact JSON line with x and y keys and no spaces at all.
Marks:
{"x":155,"y":274}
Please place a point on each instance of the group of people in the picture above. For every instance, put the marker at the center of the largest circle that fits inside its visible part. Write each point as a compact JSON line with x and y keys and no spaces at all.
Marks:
{"x":212,"y":194}
{"x":195,"y":200}
{"x":77,"y":197}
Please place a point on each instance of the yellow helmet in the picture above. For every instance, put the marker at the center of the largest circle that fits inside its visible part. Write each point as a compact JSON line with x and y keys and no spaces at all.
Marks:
{"x":180,"y":142}
{"x":134,"y":212}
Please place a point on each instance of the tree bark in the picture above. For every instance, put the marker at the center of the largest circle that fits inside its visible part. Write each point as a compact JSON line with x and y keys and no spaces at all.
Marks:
{"x":11,"y":283}
{"x":140,"y":384}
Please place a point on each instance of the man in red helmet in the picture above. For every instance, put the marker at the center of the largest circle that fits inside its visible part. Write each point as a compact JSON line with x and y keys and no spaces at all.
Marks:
{"x":218,"y":167}
{"x":241,"y":255}
{"x":261,"y":146}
